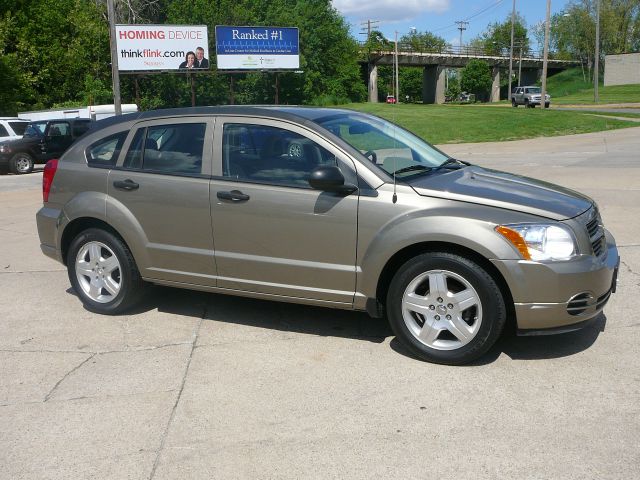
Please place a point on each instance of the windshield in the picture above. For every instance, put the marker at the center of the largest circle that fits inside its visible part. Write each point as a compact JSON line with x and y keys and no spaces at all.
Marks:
{"x":35,"y":129}
{"x":385,"y":144}
{"x":534,"y":90}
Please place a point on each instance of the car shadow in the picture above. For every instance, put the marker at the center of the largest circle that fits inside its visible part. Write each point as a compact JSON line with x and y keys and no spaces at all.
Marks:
{"x":328,"y":322}
{"x":540,"y":347}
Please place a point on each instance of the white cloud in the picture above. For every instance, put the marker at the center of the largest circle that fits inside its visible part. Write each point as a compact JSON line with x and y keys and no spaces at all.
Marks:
{"x":389,"y":10}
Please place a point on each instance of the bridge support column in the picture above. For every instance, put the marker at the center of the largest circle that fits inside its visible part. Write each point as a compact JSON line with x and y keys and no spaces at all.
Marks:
{"x":373,"y":83}
{"x":433,"y":84}
{"x":529,"y":76}
{"x":495,"y":86}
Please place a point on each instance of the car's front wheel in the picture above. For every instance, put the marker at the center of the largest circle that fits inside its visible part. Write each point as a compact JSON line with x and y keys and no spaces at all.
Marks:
{"x":21,"y":163}
{"x":103,"y":272}
{"x":445,"y":308}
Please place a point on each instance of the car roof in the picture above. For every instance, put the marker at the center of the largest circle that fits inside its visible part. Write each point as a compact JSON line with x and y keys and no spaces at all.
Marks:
{"x":298,"y":114}
{"x":14,"y":119}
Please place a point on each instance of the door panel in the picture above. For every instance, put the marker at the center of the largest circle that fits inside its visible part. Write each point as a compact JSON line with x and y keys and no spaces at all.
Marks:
{"x":172,"y":207}
{"x":274,"y":235}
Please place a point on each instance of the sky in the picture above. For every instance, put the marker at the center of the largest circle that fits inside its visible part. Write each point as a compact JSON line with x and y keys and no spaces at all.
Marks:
{"x":439,"y":16}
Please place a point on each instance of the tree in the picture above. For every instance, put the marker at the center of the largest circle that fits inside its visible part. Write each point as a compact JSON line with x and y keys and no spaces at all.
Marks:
{"x":497,"y":38}
{"x":573,"y":30}
{"x":423,"y":42}
{"x":476,"y":78}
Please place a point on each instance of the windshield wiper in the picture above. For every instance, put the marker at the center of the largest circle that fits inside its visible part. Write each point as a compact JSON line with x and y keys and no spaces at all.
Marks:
{"x":412,"y":168}
{"x":452,"y":162}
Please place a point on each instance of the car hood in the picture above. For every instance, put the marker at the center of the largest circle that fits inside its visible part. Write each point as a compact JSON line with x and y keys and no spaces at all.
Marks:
{"x":504,"y":190}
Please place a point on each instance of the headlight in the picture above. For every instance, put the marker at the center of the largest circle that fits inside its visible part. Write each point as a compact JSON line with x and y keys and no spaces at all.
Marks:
{"x":539,"y":241}
{"x":5,"y":149}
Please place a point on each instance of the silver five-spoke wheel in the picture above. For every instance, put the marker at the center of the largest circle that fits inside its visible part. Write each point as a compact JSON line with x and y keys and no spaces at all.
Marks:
{"x":442,"y":310}
{"x":98,"y":272}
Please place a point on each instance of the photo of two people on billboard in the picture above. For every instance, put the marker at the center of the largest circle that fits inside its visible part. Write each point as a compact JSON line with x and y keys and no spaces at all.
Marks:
{"x":195,"y":60}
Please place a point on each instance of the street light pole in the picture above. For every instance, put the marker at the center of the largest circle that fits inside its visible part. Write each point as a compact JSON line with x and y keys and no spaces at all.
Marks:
{"x":115,"y":75}
{"x":543,"y":94}
{"x":513,"y":19}
{"x":596,"y":69}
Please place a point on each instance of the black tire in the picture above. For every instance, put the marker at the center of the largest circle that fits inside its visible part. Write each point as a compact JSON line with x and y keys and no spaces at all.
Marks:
{"x":132,"y":287}
{"x":491,"y":306}
{"x":513,"y":103}
{"x":21,"y":163}
{"x":546,"y":105}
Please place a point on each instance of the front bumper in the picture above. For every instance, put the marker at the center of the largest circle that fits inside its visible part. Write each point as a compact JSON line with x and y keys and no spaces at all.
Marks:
{"x":562,"y":296}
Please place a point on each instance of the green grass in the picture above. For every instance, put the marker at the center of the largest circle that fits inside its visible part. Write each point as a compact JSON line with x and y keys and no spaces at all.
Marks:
{"x":569,"y":87}
{"x":474,"y":123}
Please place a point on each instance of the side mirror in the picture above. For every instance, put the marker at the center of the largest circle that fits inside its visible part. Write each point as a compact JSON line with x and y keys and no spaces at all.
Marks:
{"x":330,"y":179}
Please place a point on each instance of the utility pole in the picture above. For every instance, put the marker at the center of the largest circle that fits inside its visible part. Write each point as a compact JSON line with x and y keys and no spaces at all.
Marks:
{"x":596,"y":69}
{"x":397,"y":84}
{"x":543,"y":94}
{"x":513,"y":20}
{"x":115,"y":74}
{"x":462,"y":26}
{"x":520,"y":66}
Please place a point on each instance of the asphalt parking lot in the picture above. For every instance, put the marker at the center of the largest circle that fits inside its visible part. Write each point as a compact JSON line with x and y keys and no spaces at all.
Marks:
{"x":195,"y":385}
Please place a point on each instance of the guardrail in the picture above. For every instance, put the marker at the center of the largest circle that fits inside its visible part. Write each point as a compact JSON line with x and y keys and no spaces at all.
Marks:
{"x":459,"y":51}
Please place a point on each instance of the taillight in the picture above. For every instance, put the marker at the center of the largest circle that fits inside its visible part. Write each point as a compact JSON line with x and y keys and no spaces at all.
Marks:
{"x":47,"y":178}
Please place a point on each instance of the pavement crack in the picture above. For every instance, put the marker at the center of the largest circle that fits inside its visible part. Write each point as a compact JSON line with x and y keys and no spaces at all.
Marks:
{"x":194,"y":341}
{"x":48,"y":396}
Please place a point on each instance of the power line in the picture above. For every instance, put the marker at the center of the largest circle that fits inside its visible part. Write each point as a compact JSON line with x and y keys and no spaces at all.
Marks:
{"x":482,"y":11}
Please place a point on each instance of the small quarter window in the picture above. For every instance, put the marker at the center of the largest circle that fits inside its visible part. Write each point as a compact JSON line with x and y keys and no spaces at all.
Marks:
{"x":105,"y":151}
{"x":3,"y":131}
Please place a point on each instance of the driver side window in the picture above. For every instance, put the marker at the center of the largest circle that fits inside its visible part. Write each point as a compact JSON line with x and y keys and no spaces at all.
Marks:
{"x":259,"y":153}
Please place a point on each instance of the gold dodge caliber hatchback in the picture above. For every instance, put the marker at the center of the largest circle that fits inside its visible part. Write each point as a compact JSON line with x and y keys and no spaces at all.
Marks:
{"x":325,"y":207}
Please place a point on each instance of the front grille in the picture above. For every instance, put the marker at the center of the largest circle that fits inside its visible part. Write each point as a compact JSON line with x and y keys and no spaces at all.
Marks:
{"x":595,"y":230}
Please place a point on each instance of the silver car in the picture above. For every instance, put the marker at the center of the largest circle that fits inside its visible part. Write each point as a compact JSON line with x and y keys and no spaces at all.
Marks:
{"x":325,"y":207}
{"x":529,"y":97}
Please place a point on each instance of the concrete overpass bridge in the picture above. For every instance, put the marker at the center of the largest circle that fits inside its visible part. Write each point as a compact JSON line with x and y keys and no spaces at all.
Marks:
{"x":435,"y":63}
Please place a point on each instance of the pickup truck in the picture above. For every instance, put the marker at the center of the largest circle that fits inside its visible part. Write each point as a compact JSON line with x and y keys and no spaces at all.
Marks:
{"x":42,"y":141}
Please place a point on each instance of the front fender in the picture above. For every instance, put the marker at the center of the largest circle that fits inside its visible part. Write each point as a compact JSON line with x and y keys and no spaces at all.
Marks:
{"x":456,"y":224}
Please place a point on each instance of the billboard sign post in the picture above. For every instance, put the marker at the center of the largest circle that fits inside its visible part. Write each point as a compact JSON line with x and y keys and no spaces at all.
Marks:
{"x":257,"y":48}
{"x":142,"y":48}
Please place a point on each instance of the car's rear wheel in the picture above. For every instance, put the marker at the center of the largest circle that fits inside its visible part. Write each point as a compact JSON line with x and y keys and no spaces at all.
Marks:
{"x":103,"y":272}
{"x":21,"y":163}
{"x":445,"y":308}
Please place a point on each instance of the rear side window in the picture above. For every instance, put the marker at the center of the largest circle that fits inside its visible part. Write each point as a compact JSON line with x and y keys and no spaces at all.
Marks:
{"x":174,"y":148}
{"x":79,"y":128}
{"x":3,"y":131}
{"x":18,"y":127}
{"x":104,"y":152}
{"x":59,"y":129}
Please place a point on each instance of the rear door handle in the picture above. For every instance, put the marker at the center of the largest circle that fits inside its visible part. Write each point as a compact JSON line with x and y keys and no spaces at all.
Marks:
{"x":233,"y":195}
{"x":126,"y":184}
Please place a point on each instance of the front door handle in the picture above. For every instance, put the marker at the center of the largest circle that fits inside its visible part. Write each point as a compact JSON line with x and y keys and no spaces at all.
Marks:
{"x":126,"y":184}
{"x":233,"y":195}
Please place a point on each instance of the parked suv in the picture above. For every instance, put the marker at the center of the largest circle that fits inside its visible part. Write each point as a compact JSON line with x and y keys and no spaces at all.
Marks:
{"x":42,"y":141}
{"x":11,"y":128}
{"x":529,"y":97}
{"x":325,"y":207}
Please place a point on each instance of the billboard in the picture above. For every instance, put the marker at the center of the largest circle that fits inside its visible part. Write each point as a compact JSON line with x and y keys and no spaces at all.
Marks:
{"x":257,"y":48}
{"x":162,"y":47}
